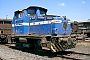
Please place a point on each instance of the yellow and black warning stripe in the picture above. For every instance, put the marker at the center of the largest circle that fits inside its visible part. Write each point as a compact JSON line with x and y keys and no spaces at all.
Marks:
{"x":53,"y":47}
{"x":60,"y":47}
{"x":56,"y":47}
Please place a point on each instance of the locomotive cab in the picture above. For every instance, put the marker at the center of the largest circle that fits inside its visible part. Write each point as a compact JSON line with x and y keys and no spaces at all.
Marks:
{"x":31,"y":13}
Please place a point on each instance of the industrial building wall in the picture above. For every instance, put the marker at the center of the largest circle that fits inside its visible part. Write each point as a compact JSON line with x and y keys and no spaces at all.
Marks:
{"x":5,"y":26}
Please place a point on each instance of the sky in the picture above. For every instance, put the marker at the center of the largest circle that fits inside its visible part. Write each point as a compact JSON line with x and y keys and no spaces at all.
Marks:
{"x":75,"y":10}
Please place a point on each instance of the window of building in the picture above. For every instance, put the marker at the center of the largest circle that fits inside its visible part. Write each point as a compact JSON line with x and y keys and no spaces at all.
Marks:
{"x":1,"y":32}
{"x":7,"y":22}
{"x":1,"y":22}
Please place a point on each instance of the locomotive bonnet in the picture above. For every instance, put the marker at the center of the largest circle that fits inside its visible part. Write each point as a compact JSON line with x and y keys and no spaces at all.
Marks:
{"x":49,"y":32}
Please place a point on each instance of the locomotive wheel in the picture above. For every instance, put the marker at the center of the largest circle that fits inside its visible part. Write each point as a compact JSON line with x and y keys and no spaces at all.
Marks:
{"x":18,"y":44}
{"x":6,"y":40}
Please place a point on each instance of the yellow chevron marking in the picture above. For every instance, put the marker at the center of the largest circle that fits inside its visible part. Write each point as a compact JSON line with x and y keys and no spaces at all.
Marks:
{"x":61,"y":46}
{"x":64,"y":46}
{"x":67,"y":46}
{"x":53,"y":49}
{"x":58,"y":47}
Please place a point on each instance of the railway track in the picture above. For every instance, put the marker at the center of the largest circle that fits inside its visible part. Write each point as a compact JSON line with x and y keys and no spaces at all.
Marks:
{"x":71,"y":55}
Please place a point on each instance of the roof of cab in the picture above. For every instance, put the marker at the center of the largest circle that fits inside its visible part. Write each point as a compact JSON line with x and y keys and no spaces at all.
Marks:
{"x":52,"y":16}
{"x":31,"y":7}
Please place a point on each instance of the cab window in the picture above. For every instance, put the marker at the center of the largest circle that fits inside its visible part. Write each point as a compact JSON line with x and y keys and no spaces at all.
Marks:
{"x":19,"y":14}
{"x":42,"y":12}
{"x":31,"y":11}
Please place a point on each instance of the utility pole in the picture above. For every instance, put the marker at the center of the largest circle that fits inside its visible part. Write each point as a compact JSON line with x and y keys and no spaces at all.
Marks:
{"x":6,"y":16}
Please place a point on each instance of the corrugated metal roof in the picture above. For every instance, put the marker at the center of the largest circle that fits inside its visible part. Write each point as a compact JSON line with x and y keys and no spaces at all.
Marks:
{"x":2,"y":19}
{"x":84,"y":21}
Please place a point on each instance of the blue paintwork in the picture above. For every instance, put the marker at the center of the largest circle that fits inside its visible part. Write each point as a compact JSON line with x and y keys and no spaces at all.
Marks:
{"x":41,"y":28}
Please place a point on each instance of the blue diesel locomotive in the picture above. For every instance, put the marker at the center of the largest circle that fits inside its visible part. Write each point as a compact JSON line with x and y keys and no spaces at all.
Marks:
{"x":33,"y":28}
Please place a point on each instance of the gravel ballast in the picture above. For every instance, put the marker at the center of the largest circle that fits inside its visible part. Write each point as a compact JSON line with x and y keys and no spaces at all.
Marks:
{"x":81,"y":51}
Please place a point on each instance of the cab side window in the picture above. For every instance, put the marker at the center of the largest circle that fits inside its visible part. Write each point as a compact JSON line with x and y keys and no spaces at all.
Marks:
{"x":31,"y":12}
{"x":42,"y":12}
{"x":20,"y":15}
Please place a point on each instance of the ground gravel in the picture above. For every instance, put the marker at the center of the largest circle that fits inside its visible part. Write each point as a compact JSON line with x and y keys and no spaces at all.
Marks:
{"x":81,"y":51}
{"x":12,"y":54}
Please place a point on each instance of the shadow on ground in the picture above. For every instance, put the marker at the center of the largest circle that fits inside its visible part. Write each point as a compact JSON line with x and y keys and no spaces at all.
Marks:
{"x":49,"y":54}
